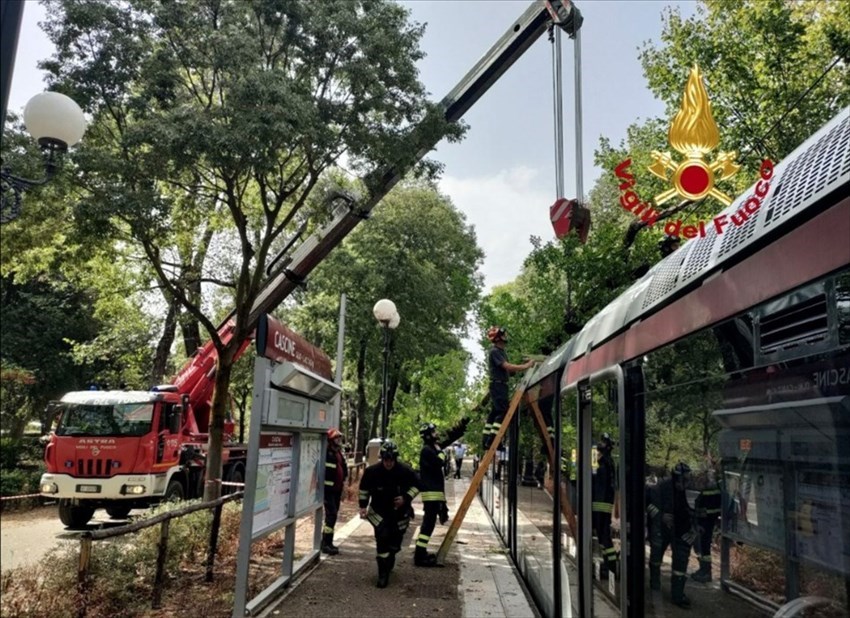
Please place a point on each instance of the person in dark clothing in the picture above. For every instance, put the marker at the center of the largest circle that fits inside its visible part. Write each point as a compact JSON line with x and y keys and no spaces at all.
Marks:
{"x":433,"y":486}
{"x":707,"y":511}
{"x":671,"y":524}
{"x":603,"y":488}
{"x":386,"y":490}
{"x":500,"y":370}
{"x":336,"y":471}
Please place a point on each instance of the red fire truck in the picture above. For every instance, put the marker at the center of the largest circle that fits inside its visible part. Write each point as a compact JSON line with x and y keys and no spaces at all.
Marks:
{"x":121,"y":450}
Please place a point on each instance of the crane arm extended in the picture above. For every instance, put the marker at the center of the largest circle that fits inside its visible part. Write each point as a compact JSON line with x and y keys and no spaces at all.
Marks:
{"x":529,"y":27}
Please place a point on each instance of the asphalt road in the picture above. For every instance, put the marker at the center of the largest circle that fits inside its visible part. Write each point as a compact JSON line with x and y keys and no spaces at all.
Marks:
{"x":26,"y":536}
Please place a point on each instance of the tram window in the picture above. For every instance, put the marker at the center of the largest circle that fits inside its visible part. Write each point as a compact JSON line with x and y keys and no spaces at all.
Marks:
{"x":762,"y":502}
{"x":604,"y":490}
{"x":569,"y":468}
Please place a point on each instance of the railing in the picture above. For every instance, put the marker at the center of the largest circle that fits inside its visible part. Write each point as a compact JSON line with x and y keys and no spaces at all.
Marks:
{"x":87,"y":539}
{"x":355,"y":471}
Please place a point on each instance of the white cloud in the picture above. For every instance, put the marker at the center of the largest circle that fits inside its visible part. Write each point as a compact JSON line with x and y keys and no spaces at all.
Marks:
{"x":506,"y":209}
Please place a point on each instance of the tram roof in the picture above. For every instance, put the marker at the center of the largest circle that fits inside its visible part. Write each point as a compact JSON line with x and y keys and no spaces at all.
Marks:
{"x":801,"y":186}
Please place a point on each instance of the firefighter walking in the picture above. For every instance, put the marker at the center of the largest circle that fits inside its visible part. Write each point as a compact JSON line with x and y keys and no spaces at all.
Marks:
{"x":336,"y":471}
{"x":671,"y":524}
{"x":603,"y":489}
{"x":433,"y":485}
{"x":386,"y":491}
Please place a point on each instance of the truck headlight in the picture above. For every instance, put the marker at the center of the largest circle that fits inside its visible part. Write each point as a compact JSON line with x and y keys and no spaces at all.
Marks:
{"x":133,"y":490}
{"x":49,"y":488}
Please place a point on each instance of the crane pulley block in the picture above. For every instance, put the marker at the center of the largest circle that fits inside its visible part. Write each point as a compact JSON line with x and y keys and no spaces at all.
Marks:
{"x":565,"y":14}
{"x":570,"y":216}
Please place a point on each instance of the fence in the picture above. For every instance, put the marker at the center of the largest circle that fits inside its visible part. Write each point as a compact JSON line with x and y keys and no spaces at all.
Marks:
{"x":87,"y":539}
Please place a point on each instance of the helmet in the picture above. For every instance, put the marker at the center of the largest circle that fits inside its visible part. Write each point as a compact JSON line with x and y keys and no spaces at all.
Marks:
{"x":389,"y":450}
{"x":427,"y":430}
{"x":497,"y":333}
{"x":605,"y":442}
{"x":681,"y":469}
{"x":334,"y":433}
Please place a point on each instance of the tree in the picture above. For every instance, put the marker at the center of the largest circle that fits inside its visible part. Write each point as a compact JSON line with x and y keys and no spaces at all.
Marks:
{"x":214,"y":121}
{"x":417,"y":250}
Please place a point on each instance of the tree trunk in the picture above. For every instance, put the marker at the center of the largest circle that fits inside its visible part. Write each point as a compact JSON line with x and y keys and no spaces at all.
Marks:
{"x":220,"y":400}
{"x":163,"y":348}
{"x":191,"y":333}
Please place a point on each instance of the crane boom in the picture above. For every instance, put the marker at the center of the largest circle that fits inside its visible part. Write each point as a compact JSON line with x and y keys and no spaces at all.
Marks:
{"x":529,"y":27}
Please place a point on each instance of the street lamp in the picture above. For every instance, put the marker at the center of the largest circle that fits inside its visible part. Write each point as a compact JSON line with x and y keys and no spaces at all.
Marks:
{"x":387,"y":315}
{"x":56,"y":122}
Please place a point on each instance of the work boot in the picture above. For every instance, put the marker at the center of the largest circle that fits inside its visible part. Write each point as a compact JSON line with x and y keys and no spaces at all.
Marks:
{"x":655,"y":577}
{"x":702,"y":576}
{"x":677,"y":587}
{"x":383,"y":573}
{"x":390,"y":562}
{"x":422,"y":558}
{"x":328,"y":546}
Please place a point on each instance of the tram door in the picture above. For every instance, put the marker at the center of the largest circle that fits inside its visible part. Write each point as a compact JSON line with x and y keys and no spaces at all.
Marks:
{"x":604,"y":460}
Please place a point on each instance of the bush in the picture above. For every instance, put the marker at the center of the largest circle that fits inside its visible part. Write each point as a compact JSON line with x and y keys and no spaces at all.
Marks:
{"x":20,"y":481}
{"x":10,"y":453}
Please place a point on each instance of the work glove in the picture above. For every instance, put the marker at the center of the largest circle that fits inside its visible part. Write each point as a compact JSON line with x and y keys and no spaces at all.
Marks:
{"x":690,"y":537}
{"x":444,"y":513}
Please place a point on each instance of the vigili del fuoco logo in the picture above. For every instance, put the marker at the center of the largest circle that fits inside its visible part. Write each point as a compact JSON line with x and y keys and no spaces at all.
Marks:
{"x":693,"y":133}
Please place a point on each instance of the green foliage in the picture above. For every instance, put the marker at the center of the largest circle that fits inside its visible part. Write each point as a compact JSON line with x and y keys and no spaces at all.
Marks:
{"x":417,"y":250}
{"x":19,"y":481}
{"x":438,"y":394}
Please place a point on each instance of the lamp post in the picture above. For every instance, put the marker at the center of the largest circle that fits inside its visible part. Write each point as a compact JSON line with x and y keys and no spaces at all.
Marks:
{"x":387,"y":315}
{"x":53,"y":119}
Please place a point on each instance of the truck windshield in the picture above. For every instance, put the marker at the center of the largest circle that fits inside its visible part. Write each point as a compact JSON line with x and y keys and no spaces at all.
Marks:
{"x":119,"y":419}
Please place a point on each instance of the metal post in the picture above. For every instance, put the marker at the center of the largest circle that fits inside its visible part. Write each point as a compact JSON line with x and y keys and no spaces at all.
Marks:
{"x":11,"y":16}
{"x":579,"y":160}
{"x":384,"y":402}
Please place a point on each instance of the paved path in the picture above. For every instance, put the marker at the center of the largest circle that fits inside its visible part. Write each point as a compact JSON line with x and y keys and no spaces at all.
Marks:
{"x":478,"y":580}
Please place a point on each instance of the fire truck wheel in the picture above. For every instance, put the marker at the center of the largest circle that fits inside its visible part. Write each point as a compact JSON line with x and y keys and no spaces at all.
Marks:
{"x":118,"y":512}
{"x":174,"y":492}
{"x":74,"y":517}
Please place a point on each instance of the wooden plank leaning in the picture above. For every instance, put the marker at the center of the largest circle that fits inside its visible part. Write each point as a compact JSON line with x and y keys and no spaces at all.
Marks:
{"x":457,"y":520}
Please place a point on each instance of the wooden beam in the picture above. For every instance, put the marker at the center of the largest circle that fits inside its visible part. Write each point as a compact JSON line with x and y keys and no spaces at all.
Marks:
{"x":457,"y":520}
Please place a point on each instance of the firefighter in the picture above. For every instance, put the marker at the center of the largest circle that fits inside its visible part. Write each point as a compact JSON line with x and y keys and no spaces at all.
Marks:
{"x":500,"y":369}
{"x":707,"y":511}
{"x":432,"y":483}
{"x":603,"y":488}
{"x":336,"y":471}
{"x":671,"y":524}
{"x":386,"y":490}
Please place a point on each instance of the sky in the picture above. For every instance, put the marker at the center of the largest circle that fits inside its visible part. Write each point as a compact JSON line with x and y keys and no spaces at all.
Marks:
{"x":502,"y":175}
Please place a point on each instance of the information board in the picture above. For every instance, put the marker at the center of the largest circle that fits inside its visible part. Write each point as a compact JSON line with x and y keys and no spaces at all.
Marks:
{"x":274,"y":479}
{"x":308,"y":471}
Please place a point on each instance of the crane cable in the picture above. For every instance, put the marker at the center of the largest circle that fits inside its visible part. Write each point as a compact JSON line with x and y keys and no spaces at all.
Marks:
{"x":557,"y":109}
{"x":558,"y":112}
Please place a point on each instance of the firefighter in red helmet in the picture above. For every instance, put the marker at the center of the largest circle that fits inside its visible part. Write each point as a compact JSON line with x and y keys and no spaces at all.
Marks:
{"x":336,"y":471}
{"x":500,"y":369}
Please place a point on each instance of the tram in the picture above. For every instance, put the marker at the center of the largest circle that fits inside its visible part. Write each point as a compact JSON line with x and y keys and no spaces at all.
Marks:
{"x":731,"y":356}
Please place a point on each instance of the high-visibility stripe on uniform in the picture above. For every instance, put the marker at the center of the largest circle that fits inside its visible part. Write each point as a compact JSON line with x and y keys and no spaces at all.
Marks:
{"x":610,"y":554}
{"x":653,"y":510}
{"x":679,"y":573}
{"x":712,"y":511}
{"x":442,"y":456}
{"x":327,"y":530}
{"x":386,"y":554}
{"x":433,"y":496}
{"x":602,"y":507}
{"x":422,"y":541}
{"x":329,"y":464}
{"x":413,"y":492}
{"x":329,"y":483}
{"x":706,"y":559}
